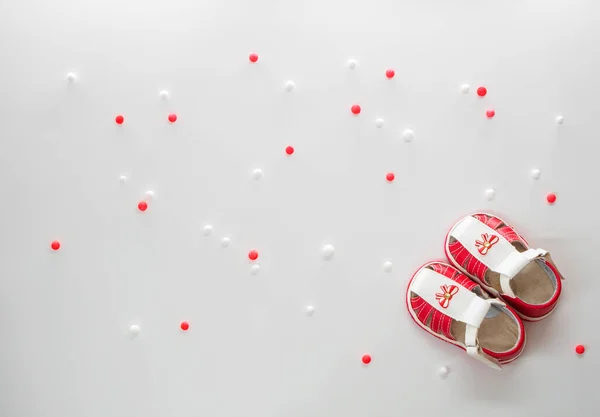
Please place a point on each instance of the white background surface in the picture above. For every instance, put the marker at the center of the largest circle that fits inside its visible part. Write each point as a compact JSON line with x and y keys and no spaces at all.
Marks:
{"x":251,"y":349}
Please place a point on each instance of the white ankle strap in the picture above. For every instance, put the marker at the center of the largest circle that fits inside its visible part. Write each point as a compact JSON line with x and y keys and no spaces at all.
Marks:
{"x":472,"y":344}
{"x":455,"y":301}
{"x":493,"y":250}
{"x":513,"y":264}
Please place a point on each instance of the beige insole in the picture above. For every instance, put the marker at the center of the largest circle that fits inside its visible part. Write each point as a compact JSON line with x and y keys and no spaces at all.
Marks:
{"x":498,"y":334}
{"x":532,"y":284}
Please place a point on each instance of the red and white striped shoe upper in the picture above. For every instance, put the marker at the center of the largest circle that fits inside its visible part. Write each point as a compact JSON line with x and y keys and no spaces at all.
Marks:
{"x":439,"y":324}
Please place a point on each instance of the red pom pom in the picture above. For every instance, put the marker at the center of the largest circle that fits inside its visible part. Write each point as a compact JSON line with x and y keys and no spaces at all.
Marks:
{"x":142,"y":206}
{"x":366,"y":359}
{"x":253,"y":255}
{"x":172,"y":118}
{"x":253,"y":57}
{"x":184,"y":325}
{"x":390,"y":176}
{"x":390,"y":73}
{"x":289,"y":150}
{"x":119,"y":119}
{"x":551,"y":198}
{"x":355,"y":109}
{"x":55,"y":245}
{"x":490,"y":113}
{"x":580,"y":349}
{"x":481,"y":91}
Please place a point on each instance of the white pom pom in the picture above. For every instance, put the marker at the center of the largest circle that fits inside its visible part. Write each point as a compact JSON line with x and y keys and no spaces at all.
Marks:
{"x":289,"y":86}
{"x":207,"y":230}
{"x":408,"y":135}
{"x":489,"y":194}
{"x":257,"y":174}
{"x":328,"y":251}
{"x":134,"y":330}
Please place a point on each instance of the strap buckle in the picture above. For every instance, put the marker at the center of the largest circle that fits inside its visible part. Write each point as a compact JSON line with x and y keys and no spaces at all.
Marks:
{"x":476,"y":353}
{"x":472,"y":343}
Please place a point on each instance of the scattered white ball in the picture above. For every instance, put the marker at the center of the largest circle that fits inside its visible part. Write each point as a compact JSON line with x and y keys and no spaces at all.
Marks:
{"x":123,"y":178}
{"x":560,"y":120}
{"x":255,"y":268}
{"x":352,"y":63}
{"x":225,"y":242}
{"x":257,"y":174}
{"x":408,"y":135}
{"x":387,"y":266}
{"x":289,"y":86}
{"x":489,"y":194}
{"x":134,"y":330}
{"x":443,"y":372}
{"x":465,"y":88}
{"x":328,"y":251}
{"x":379,"y":122}
{"x":71,"y":77}
{"x":535,"y":174}
{"x":164,"y":95}
{"x":150,"y":194}
{"x":207,"y":230}
{"x":310,"y":310}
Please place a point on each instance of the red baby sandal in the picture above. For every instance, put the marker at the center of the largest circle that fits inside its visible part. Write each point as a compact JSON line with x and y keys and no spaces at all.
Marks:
{"x":489,"y":251}
{"x":447,"y":304}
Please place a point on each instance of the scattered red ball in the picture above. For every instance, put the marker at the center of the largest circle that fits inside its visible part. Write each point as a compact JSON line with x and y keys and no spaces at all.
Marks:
{"x":142,"y":206}
{"x":119,"y":119}
{"x":172,"y":118}
{"x":390,"y":176}
{"x":253,"y":255}
{"x":580,"y":349}
{"x":490,"y":113}
{"x":55,"y":245}
{"x":289,"y":150}
{"x":253,"y":58}
{"x":551,"y":198}
{"x":366,"y":359}
{"x":390,"y":73}
{"x":185,"y":325}
{"x":355,"y":109}
{"x":481,"y":91}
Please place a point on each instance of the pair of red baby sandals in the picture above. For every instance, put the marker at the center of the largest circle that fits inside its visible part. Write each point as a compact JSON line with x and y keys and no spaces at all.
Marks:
{"x":495,"y":280}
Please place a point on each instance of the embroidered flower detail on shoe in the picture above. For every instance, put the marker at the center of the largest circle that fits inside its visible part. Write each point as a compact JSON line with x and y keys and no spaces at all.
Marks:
{"x":445,"y":297}
{"x":488,"y":241}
